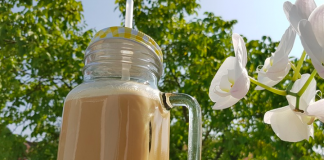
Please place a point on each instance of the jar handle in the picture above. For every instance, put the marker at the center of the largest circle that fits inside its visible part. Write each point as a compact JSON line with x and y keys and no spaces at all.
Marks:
{"x":171,"y":100}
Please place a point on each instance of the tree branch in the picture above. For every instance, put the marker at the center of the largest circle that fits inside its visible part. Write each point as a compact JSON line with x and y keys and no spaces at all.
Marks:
{"x":10,"y":41}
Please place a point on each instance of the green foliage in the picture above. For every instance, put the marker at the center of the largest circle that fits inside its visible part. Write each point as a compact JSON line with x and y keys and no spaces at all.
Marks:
{"x":42,"y":45}
{"x":11,"y":146}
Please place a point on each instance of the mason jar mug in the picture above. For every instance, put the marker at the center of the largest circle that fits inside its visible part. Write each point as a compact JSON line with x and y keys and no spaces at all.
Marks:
{"x":118,"y":112}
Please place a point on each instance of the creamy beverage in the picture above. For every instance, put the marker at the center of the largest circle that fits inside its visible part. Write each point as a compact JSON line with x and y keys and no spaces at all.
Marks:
{"x":114,"y":127}
{"x":118,"y":112}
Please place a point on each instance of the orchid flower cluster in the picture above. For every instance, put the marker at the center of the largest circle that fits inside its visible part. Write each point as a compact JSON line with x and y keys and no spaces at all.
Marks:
{"x":232,"y":82}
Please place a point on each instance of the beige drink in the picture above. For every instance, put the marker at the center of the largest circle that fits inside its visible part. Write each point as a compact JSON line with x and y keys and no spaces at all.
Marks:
{"x":114,"y":127}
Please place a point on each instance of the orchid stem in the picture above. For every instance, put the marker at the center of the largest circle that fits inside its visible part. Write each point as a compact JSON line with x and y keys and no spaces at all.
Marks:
{"x":302,"y":90}
{"x":309,"y":80}
{"x":297,"y":105}
{"x":273,"y":90}
{"x":300,"y":63}
{"x":292,"y":94}
{"x":294,"y":68}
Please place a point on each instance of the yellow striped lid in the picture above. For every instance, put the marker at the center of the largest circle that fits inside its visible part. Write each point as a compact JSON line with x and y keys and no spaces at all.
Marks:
{"x":128,"y":33}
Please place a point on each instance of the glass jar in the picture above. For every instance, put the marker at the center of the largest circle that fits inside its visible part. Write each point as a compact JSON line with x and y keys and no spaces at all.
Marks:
{"x":118,"y":112}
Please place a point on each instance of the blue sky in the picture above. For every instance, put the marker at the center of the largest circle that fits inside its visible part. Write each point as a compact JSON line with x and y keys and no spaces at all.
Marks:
{"x":256,"y":18}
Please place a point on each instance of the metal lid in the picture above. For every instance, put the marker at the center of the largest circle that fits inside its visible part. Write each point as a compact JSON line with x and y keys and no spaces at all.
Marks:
{"x":128,"y":33}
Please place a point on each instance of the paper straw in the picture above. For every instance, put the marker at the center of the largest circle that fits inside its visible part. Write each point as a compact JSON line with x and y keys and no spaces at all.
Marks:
{"x":129,"y":13}
{"x":128,"y":23}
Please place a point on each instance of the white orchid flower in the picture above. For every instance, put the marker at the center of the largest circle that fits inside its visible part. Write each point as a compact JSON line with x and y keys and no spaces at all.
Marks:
{"x":277,"y":66}
{"x":231,"y":82}
{"x":293,"y":126}
{"x":312,"y":38}
{"x":302,"y":9}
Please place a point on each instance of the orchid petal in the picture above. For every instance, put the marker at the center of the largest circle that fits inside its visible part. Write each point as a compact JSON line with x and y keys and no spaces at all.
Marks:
{"x":309,"y":41}
{"x":225,"y":84}
{"x":305,"y":7}
{"x":284,"y":122}
{"x":269,"y":114}
{"x":316,"y":109}
{"x":223,"y":70}
{"x":292,"y":14}
{"x":292,"y":101}
{"x":280,"y":65}
{"x":280,"y":62}
{"x":321,"y":119}
{"x":266,"y":66}
{"x":305,"y":118}
{"x":279,"y":71}
{"x":241,"y":85}
{"x":220,"y":92}
{"x":262,"y":78}
{"x":224,"y":87}
{"x":239,"y":49}
{"x":319,"y":67}
{"x":263,"y":75}
{"x":311,"y":46}
{"x":286,"y":43}
{"x":231,"y":76}
{"x":225,"y":102}
{"x":317,"y":21}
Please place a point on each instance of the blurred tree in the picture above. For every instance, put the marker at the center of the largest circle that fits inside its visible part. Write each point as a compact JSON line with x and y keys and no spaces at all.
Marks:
{"x":42,"y":45}
{"x":41,"y":53}
{"x":11,"y":146}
